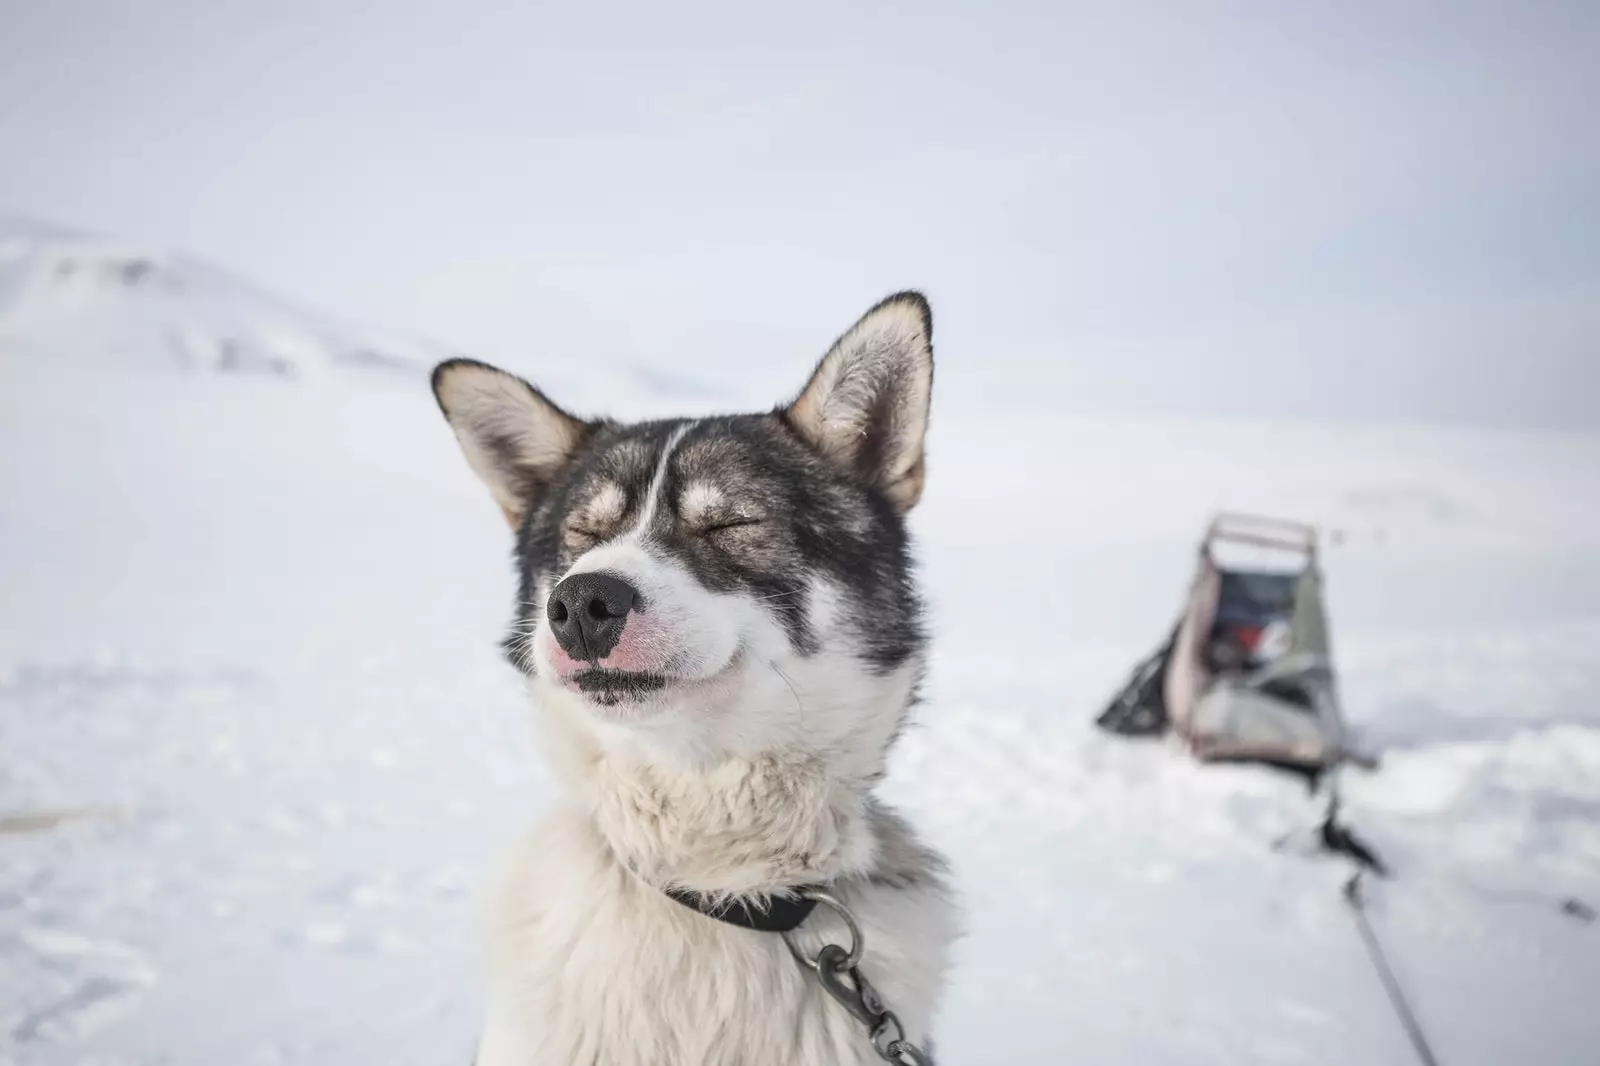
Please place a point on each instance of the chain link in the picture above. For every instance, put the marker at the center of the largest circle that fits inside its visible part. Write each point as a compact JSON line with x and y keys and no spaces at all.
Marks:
{"x":837,"y":971}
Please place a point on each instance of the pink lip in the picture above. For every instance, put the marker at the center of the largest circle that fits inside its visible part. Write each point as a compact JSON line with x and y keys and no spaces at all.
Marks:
{"x":620,"y":660}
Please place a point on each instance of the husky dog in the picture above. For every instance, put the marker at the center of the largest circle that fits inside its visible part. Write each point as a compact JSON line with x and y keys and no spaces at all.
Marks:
{"x":719,"y":625}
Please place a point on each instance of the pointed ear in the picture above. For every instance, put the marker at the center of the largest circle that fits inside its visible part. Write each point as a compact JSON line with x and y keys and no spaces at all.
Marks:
{"x":514,"y":438}
{"x":866,"y":406}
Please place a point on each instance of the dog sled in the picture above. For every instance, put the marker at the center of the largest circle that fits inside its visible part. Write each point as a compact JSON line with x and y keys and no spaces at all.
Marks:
{"x":1247,"y":673}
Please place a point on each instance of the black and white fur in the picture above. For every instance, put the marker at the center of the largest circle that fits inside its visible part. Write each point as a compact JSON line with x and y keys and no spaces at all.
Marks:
{"x":718,"y":621}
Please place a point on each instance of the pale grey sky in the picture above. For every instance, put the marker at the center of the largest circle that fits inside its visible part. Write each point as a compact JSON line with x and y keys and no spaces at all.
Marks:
{"x":1366,"y":210}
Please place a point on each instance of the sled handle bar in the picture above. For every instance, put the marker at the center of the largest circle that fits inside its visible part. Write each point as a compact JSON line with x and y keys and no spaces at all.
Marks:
{"x":1263,"y":532}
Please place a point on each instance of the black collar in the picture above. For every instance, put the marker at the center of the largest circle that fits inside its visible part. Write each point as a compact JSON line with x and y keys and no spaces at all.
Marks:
{"x":782,"y":913}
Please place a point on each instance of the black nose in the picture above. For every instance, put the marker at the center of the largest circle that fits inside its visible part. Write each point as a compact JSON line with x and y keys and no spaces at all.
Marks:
{"x":587,"y":613}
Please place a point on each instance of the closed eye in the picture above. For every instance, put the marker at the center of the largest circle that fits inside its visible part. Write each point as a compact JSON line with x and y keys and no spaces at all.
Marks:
{"x":730,"y":523}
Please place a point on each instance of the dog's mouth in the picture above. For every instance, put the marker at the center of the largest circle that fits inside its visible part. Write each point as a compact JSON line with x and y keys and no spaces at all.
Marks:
{"x":610,"y":687}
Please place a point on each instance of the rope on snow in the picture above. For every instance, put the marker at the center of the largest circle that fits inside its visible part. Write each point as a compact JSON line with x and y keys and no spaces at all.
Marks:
{"x":1380,"y":962}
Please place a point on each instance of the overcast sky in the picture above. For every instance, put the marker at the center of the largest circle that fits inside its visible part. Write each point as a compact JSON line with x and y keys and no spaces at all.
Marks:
{"x":1349,"y":210}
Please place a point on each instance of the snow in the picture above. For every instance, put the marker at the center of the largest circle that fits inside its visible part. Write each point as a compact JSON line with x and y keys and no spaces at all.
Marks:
{"x":258,"y":749}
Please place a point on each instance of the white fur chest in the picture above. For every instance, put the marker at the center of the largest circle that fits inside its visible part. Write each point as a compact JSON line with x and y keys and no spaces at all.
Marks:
{"x":589,"y":965}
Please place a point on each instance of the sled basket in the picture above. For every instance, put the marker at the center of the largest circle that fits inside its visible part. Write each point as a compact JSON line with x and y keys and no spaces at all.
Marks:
{"x":1247,"y":673}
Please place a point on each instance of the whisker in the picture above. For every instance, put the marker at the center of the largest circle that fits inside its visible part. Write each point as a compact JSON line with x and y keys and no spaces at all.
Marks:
{"x":779,"y":597}
{"x":798,"y":704}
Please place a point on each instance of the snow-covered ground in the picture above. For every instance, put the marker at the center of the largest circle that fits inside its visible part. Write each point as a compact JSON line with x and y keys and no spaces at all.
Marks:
{"x":257,"y":746}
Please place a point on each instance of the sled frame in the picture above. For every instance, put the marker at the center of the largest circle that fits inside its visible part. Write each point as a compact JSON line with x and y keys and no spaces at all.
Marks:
{"x":1261,"y":531}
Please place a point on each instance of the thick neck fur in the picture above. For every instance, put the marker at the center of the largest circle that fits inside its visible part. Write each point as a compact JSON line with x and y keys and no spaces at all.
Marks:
{"x":738,"y":826}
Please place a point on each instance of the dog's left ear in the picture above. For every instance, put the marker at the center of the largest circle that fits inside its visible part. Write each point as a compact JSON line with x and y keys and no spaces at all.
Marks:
{"x":866,"y":406}
{"x":513,"y":436}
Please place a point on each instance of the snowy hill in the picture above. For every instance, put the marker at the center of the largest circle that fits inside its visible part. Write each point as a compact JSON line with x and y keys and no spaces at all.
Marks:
{"x":65,"y":295}
{"x":68,"y":298}
{"x":258,"y":748}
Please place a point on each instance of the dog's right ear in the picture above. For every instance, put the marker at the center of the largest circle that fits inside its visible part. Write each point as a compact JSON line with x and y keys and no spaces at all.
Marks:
{"x":514,"y":438}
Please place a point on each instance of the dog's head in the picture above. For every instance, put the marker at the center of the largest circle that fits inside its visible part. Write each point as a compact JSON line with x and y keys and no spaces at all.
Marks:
{"x":729,"y":585}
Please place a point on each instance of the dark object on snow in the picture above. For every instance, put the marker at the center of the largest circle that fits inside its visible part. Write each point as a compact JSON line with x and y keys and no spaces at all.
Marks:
{"x":1140,"y":709}
{"x":1247,"y":674}
{"x":1342,"y":840}
{"x":1578,"y":909}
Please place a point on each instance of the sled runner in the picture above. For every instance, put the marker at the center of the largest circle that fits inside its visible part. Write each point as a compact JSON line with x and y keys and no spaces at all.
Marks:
{"x":1247,"y":673}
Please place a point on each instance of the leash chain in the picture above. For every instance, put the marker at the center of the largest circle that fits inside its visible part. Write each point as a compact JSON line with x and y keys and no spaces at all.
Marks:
{"x":838,"y":971}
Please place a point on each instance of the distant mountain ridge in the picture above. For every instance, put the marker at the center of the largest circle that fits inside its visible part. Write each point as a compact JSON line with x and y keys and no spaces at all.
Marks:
{"x":68,"y":295}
